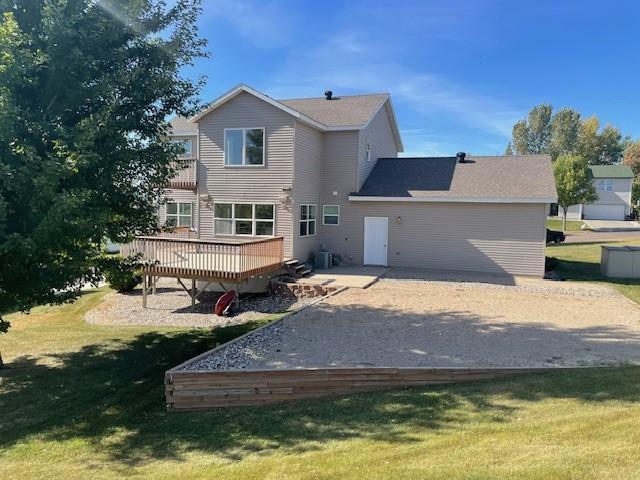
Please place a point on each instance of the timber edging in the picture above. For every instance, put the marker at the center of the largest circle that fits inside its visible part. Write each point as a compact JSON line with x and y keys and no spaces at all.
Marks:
{"x":201,"y":390}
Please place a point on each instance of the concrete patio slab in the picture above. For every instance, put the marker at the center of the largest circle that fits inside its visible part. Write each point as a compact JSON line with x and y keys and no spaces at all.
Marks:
{"x":345,"y":276}
{"x":612,"y":225}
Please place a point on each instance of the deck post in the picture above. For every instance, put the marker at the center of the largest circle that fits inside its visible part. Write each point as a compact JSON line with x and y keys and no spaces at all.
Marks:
{"x":144,"y":290}
{"x":155,"y":281}
{"x":193,"y":294}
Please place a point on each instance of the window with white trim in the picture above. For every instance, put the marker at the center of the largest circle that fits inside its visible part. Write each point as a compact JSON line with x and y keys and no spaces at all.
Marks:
{"x":605,"y":185}
{"x":255,"y":219}
{"x":244,"y":147}
{"x":187,"y":146}
{"x":307,"y":220}
{"x":331,"y":214}
{"x":179,"y":214}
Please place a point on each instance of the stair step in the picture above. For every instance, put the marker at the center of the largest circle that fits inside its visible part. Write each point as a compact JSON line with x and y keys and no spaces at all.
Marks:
{"x":305,"y":272}
{"x":300,"y":266}
{"x":293,"y":261}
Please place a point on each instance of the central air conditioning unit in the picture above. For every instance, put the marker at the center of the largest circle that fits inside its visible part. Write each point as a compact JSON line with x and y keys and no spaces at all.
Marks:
{"x":323,"y":259}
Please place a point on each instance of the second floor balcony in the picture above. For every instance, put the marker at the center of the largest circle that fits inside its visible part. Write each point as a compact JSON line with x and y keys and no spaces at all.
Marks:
{"x":187,"y":178}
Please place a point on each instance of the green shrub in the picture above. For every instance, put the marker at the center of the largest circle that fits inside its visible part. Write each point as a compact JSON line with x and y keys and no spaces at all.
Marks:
{"x":122,"y":274}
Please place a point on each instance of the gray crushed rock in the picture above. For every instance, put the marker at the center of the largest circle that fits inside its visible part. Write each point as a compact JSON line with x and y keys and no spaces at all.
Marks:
{"x":171,"y":307}
{"x":476,"y":281}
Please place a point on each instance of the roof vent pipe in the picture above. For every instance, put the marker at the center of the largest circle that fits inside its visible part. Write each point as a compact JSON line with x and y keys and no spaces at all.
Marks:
{"x":460,"y":156}
{"x":328,"y":94}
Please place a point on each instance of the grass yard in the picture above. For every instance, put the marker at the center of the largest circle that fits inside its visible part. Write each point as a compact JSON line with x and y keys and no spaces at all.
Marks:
{"x":581,"y":262}
{"x":572,"y":225}
{"x":83,"y":401}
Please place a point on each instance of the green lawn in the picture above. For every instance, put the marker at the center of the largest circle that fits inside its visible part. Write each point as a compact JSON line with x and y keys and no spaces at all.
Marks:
{"x":581,"y":262}
{"x":83,"y":401}
{"x":572,"y":225}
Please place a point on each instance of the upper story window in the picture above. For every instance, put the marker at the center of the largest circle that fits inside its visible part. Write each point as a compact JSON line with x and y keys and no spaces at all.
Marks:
{"x":187,"y":146}
{"x":244,"y":147}
{"x":605,"y":185}
{"x":367,"y":155}
{"x":180,"y":214}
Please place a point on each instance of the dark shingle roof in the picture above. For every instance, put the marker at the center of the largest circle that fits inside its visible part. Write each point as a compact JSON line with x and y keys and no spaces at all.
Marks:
{"x":438,"y":178}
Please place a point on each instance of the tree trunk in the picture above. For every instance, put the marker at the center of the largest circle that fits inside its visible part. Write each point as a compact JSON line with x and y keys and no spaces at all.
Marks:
{"x":564,"y":219}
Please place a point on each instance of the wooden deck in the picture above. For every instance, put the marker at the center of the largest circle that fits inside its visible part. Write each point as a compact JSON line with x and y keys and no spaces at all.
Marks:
{"x":226,"y":261}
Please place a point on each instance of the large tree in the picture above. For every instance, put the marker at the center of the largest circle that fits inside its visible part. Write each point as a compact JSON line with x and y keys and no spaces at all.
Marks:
{"x":86,"y":87}
{"x":565,"y":132}
{"x":632,"y":158}
{"x":573,"y":183}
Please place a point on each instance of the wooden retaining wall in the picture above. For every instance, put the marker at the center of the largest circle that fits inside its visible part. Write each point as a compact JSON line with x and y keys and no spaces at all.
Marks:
{"x":197,"y":390}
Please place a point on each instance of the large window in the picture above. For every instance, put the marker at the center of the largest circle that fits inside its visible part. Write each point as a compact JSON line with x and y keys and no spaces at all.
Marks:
{"x":256,"y":219}
{"x":330,"y":214}
{"x":307,"y":220}
{"x":605,"y":185}
{"x":187,"y":146}
{"x":244,"y":147}
{"x":180,"y":214}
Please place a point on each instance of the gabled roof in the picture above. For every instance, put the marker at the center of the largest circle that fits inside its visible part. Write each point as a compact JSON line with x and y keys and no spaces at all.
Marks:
{"x":611,"y":171}
{"x":503,"y":179}
{"x":353,"y":112}
{"x":183,"y":126}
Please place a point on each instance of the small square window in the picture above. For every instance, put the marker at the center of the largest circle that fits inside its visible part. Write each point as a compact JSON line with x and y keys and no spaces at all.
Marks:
{"x":179,"y":214}
{"x":331,"y":214}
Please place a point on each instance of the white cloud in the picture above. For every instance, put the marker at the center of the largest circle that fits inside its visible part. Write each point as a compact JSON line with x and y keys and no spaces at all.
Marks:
{"x":263,"y":24}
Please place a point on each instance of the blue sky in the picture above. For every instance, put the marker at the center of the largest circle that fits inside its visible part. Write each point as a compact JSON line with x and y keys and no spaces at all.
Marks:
{"x":460,"y":73}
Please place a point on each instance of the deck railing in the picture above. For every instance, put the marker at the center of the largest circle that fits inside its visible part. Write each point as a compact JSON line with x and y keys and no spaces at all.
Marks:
{"x":187,"y":177}
{"x":223,"y":260}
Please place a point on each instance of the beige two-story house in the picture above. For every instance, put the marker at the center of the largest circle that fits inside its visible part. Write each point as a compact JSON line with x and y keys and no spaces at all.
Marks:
{"x":613,"y":185}
{"x":324,"y":173}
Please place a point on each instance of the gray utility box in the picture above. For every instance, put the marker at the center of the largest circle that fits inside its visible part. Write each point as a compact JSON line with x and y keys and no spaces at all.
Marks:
{"x":323,"y":260}
{"x":620,"y":262}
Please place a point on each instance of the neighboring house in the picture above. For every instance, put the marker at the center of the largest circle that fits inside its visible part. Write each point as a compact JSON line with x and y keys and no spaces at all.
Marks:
{"x":613,"y":185}
{"x":324,"y":173}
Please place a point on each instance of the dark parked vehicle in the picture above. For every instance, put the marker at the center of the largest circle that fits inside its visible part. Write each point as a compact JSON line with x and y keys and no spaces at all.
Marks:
{"x":554,"y":236}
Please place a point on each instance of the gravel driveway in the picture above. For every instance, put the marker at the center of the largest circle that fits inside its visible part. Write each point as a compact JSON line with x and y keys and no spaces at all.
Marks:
{"x":444,"y":324}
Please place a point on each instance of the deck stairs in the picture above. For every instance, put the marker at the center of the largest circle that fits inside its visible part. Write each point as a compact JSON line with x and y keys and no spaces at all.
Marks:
{"x":297,"y":269}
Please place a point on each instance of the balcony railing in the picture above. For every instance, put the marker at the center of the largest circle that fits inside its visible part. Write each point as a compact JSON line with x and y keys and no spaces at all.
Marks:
{"x":232,"y":260}
{"x":187,"y":177}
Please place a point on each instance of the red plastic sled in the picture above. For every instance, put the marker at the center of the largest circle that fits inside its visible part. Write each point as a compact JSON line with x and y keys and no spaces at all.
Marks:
{"x":224,"y":303}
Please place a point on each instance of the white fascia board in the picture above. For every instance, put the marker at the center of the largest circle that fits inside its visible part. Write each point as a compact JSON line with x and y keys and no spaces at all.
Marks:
{"x":183,"y":133}
{"x":358,"y":198}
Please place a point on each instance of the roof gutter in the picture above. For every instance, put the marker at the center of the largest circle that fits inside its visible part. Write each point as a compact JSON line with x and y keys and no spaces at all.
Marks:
{"x":363,"y":198}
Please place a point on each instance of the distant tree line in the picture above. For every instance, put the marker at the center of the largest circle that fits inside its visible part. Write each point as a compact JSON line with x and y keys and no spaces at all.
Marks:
{"x":565,"y":132}
{"x":578,"y":142}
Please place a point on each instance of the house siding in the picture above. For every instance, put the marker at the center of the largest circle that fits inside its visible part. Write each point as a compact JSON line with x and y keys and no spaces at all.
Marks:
{"x":379,"y":135}
{"x":339,"y":177}
{"x":621,"y":195}
{"x":249,"y":184}
{"x":499,"y":238}
{"x":308,"y":171}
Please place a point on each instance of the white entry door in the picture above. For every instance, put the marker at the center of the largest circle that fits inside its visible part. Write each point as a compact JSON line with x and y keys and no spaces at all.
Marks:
{"x":376,"y":231}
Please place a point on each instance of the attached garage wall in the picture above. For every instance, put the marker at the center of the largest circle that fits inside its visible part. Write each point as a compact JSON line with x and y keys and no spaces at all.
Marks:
{"x":604,"y":212}
{"x":505,"y":238}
